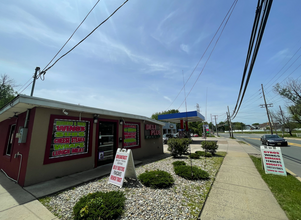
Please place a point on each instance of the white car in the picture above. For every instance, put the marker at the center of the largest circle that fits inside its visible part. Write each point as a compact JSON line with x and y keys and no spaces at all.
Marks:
{"x":167,"y":136}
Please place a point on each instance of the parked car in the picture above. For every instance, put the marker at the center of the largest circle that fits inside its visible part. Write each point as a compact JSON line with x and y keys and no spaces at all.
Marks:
{"x":269,"y":139}
{"x":167,"y":136}
{"x":195,"y":135}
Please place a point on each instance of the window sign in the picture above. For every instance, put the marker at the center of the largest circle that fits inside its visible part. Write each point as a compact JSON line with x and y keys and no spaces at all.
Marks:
{"x":131,"y":135}
{"x":69,"y":137}
{"x":152,"y":131}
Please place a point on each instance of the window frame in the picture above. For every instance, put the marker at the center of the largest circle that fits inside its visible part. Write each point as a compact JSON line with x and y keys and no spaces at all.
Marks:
{"x":10,"y":140}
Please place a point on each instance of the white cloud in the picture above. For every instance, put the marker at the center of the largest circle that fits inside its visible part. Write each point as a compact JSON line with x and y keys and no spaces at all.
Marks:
{"x":167,"y":98}
{"x":280,"y":55}
{"x":185,"y":48}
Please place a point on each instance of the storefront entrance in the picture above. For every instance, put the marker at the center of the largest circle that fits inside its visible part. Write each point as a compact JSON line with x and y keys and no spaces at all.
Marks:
{"x":106,"y":142}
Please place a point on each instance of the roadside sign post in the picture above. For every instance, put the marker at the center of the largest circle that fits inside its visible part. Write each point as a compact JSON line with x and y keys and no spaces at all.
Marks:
{"x":272,"y":160}
{"x":123,"y":166}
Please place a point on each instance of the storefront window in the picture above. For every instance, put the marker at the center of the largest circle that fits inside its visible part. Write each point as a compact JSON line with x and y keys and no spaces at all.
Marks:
{"x":69,"y":137}
{"x":131,"y":135}
{"x":10,"y":139}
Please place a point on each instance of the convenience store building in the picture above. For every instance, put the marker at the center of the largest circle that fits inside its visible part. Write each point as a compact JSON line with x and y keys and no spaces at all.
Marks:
{"x":42,"y":139}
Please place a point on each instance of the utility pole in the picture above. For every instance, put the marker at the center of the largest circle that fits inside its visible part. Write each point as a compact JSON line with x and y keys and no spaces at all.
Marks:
{"x":266,"y":107}
{"x":34,"y":80}
{"x":215,"y":124}
{"x":282,"y":121}
{"x":230,"y":124}
{"x":211,"y":123}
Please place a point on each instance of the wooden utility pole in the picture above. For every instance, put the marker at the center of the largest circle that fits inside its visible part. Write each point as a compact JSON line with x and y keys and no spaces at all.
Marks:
{"x":230,"y":124}
{"x":266,"y":107}
{"x":282,"y":121}
{"x":34,"y":80}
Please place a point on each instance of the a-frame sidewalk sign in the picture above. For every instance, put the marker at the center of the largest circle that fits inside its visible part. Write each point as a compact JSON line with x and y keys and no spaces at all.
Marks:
{"x":123,"y":166}
{"x":272,"y":160}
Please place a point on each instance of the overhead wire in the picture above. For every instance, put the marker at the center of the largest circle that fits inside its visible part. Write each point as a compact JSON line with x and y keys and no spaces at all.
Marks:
{"x":232,"y":9}
{"x":71,"y":35}
{"x":234,"y":3}
{"x":45,"y":70}
{"x":270,"y":80}
{"x":261,"y":29}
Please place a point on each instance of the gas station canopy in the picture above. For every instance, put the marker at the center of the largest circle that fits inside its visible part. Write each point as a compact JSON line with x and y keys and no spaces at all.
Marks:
{"x":192,"y":116}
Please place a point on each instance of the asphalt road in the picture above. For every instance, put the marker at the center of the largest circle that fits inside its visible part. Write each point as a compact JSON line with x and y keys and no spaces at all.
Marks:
{"x":291,"y":154}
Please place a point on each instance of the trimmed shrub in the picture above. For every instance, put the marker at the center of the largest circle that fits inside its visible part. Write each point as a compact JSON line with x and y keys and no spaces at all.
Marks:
{"x":202,"y":154}
{"x":210,"y":146}
{"x":178,"y":163}
{"x":156,"y":179}
{"x":194,"y":156}
{"x":100,"y":205}
{"x":178,"y":146}
{"x":185,"y":172}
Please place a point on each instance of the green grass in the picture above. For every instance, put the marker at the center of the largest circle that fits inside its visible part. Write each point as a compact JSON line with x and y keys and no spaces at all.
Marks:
{"x":241,"y":142}
{"x":287,"y":190}
{"x":197,"y":200}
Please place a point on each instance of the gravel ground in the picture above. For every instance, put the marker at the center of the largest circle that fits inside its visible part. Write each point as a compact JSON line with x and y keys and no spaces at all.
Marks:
{"x":182,"y":201}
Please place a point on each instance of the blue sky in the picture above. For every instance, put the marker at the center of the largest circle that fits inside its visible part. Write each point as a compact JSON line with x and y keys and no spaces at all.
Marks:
{"x":135,"y":62}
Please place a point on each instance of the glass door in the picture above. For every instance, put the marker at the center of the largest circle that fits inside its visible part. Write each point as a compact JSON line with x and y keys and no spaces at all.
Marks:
{"x":106,"y":142}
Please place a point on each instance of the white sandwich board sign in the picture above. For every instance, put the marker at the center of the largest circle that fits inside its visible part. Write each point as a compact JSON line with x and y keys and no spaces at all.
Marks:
{"x":123,"y":166}
{"x":272,"y":160}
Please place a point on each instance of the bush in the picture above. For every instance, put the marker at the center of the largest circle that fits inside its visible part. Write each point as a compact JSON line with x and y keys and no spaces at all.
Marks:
{"x":178,"y":146}
{"x":194,"y":156}
{"x":185,"y":172}
{"x":178,"y":163}
{"x":210,"y":146}
{"x":202,"y":154}
{"x":156,"y":179}
{"x":100,"y":205}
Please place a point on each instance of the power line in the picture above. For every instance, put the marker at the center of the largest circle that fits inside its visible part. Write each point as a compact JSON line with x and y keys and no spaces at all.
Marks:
{"x":235,"y":1}
{"x":261,"y":29}
{"x":23,"y":86}
{"x":270,"y":80}
{"x":71,"y":35}
{"x":44,"y":71}
{"x":232,"y":9}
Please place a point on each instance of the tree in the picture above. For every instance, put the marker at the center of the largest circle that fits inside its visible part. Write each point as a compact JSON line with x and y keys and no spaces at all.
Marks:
{"x":292,"y":92}
{"x":238,"y":126}
{"x":284,"y":120}
{"x":7,"y":92}
{"x":171,"y":111}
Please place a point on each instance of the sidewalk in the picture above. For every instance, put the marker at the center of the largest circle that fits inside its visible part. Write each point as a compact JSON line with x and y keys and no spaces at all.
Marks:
{"x":16,"y":203}
{"x":239,"y":191}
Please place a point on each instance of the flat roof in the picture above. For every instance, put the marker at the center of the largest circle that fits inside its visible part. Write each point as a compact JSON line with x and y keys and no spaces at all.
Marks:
{"x":22,"y":103}
{"x":177,"y":117}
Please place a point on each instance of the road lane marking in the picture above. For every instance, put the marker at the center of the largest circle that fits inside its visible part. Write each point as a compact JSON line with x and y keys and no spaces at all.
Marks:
{"x":294,"y":144}
{"x":254,"y":138}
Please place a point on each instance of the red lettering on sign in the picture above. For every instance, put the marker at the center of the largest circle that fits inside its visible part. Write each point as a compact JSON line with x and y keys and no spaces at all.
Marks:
{"x":70,"y":128}
{"x":113,"y":177}
{"x":118,"y":168}
{"x":77,"y":150}
{"x":123,"y":157}
{"x":60,"y":152}
{"x":62,"y":140}
{"x":275,"y":165}
{"x":77,"y":139}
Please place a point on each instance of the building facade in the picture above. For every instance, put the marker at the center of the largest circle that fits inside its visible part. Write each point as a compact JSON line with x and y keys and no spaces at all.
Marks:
{"x":44,"y":139}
